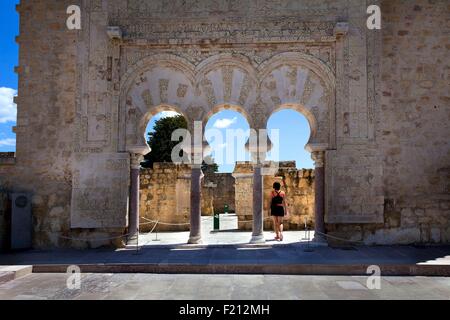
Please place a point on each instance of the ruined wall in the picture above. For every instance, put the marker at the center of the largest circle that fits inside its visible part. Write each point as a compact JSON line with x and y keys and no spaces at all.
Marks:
{"x":49,"y":130}
{"x":413,"y":129}
{"x":380,"y":99}
{"x":217,"y":190}
{"x":165,"y":196}
{"x":4,"y":221}
{"x":299,"y":188}
{"x":45,"y":120}
{"x":243,"y":175}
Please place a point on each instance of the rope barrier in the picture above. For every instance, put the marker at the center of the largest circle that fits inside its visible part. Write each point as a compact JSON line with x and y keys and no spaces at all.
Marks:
{"x":156,"y":222}
{"x":337,"y":238}
{"x":154,"y":227}
{"x":145,"y":223}
{"x":165,"y":223}
{"x":244,"y":221}
{"x":94,"y":239}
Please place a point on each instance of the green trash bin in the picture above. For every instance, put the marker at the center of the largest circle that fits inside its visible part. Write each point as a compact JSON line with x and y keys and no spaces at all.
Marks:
{"x":216,"y":221}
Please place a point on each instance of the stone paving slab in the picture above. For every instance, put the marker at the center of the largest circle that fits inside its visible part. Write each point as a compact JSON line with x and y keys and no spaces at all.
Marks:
{"x":287,"y":259}
{"x":6,"y":276}
{"x":222,"y":287}
{"x":227,"y":235}
{"x":9,"y":273}
{"x":227,"y":268}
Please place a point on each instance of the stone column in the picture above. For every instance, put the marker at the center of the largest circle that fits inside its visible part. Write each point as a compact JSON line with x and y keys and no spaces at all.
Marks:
{"x":133,"y":220}
{"x":319,"y":195}
{"x":258,"y":207}
{"x":258,"y":146}
{"x":195,"y":236}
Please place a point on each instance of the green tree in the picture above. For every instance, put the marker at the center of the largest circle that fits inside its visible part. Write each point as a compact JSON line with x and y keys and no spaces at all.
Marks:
{"x":160,"y":140}
{"x":209,"y":165}
{"x":161,"y":144}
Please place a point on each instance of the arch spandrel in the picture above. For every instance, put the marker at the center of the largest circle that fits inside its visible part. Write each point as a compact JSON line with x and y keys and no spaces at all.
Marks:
{"x":229,"y":81}
{"x":303,"y":83}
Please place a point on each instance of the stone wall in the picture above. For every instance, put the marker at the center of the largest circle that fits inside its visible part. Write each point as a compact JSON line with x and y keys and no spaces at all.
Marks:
{"x":413,"y":129}
{"x":46,"y":130}
{"x":165,"y":196}
{"x":243,"y":175}
{"x":4,"y":221}
{"x":381,"y":104}
{"x":299,"y":188}
{"x":217,"y":191}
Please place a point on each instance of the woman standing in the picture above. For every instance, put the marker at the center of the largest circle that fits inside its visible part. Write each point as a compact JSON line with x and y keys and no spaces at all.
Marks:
{"x":278,"y":209}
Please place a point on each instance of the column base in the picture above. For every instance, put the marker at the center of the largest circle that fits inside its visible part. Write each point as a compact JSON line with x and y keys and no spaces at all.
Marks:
{"x":319,"y":241}
{"x":132,"y":239}
{"x":257,"y":239}
{"x":195,"y":240}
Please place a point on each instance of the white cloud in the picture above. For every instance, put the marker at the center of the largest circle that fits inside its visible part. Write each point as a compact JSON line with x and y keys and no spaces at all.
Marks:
{"x":8,"y":142}
{"x":220,"y":146}
{"x":8,"y":109}
{"x":224,"y":123}
{"x":167,"y":114}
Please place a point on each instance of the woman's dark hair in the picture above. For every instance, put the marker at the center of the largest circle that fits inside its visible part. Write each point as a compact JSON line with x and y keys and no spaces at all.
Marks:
{"x":277,"y":186}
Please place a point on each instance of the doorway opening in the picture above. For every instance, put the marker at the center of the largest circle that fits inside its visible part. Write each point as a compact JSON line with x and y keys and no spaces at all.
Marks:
{"x":164,"y":185}
{"x":289,"y":132}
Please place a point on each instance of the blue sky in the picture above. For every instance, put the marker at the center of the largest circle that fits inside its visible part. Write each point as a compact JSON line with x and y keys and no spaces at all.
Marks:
{"x":293,"y":127}
{"x":9,"y":28}
{"x":293,"y":132}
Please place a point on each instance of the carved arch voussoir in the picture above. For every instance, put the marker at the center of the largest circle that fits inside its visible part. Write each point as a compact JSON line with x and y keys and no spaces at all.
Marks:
{"x":234,"y":81}
{"x":149,"y":62}
{"x":299,"y":59}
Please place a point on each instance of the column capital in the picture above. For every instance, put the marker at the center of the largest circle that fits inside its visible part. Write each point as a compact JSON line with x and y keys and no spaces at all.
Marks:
{"x":136,"y":159}
{"x":258,"y":145}
{"x":197,"y":167}
{"x":318,"y":158}
{"x":114,"y":33}
{"x":341,"y":29}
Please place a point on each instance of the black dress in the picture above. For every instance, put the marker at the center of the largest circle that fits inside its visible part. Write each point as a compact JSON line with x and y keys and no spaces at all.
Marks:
{"x":276,"y":207}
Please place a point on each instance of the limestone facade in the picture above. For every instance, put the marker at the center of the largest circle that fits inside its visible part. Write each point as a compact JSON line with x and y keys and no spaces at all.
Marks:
{"x":377,"y":102}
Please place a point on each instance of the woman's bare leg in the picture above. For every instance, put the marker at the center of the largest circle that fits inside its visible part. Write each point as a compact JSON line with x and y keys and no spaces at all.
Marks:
{"x":280,"y":227}
{"x":275,"y":226}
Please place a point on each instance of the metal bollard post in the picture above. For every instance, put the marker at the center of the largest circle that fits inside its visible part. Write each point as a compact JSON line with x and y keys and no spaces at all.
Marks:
{"x":137,"y":243}
{"x":308,"y":248}
{"x":156,"y":233}
{"x":216,"y":222}
{"x":306,"y":236}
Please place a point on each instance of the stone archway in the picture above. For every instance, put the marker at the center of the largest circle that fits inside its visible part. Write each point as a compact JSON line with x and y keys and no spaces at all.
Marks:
{"x":287,"y":79}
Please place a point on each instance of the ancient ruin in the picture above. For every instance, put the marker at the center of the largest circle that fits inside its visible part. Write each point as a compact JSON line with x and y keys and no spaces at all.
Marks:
{"x":377,"y":102}
{"x":165,"y":196}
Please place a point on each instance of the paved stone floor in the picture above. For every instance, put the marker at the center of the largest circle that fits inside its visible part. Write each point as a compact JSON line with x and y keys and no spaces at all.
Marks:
{"x":212,"y":287}
{"x":264,"y":254}
{"x":227,"y":234}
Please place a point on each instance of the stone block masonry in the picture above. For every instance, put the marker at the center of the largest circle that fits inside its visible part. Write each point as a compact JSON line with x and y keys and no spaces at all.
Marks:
{"x":413,"y":130}
{"x":377,"y":102}
{"x":4,"y":221}
{"x":165,"y":194}
{"x":299,"y":188}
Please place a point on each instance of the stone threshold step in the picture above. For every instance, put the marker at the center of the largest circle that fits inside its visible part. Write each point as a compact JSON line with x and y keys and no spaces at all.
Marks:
{"x":281,"y":269}
{"x":9,"y":273}
{"x":156,"y":245}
